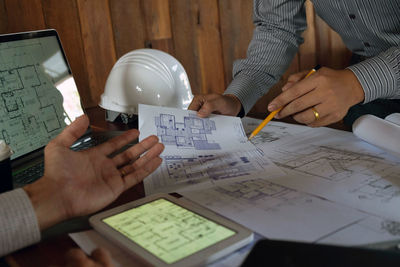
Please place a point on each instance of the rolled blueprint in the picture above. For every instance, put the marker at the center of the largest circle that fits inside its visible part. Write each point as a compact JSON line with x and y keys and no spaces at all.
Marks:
{"x":378,"y":132}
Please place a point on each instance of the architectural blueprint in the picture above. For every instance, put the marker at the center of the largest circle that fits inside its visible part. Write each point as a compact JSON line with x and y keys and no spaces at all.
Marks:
{"x":274,"y":131}
{"x":183,"y":132}
{"x":193,"y":132}
{"x":280,"y":212}
{"x":275,"y":211}
{"x":179,"y":172}
{"x":199,"y":150}
{"x":340,"y":167}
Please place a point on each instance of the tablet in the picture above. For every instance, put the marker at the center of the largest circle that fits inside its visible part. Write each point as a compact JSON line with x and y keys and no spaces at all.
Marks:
{"x":166,"y":231}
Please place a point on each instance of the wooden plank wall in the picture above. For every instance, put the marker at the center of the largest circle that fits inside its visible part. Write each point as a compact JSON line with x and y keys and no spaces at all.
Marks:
{"x":206,"y":36}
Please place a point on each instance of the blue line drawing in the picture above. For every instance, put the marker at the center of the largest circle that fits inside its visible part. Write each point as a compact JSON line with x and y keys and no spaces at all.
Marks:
{"x":192,"y":133}
{"x":214,"y":167}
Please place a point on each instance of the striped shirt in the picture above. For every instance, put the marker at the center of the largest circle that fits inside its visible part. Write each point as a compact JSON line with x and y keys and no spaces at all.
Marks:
{"x":369,"y":28}
{"x":18,"y":223}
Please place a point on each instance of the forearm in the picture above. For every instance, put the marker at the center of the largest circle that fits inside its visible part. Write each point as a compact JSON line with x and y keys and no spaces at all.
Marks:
{"x":275,"y":41}
{"x":18,"y":223}
{"x":380,"y":75}
{"x":48,"y":209}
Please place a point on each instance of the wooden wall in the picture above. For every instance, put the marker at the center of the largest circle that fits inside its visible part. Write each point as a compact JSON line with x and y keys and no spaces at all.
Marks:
{"x":206,"y":36}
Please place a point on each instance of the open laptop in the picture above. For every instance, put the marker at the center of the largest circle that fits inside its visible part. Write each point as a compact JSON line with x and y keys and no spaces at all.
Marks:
{"x":38,"y":99}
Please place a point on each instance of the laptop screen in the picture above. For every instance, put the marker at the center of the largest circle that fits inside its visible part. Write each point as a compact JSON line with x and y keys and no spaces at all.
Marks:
{"x":38,"y":95}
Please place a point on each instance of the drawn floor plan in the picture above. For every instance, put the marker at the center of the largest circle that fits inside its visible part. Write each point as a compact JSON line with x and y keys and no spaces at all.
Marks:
{"x":191,"y":133}
{"x":271,"y":133}
{"x":329,"y":162}
{"x":340,"y":167}
{"x":27,"y":98}
{"x":181,"y":171}
{"x":275,"y":211}
{"x":184,"y":133}
{"x":282,"y":212}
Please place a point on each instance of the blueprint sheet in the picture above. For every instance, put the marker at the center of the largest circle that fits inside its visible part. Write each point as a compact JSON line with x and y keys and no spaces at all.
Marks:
{"x":178,"y":173}
{"x":183,"y":132}
{"x":211,"y":150}
{"x":340,"y":167}
{"x":343,"y":189}
{"x":280,"y":212}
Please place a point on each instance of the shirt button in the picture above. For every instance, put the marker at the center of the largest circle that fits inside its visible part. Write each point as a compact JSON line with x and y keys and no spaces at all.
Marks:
{"x":352,"y":16}
{"x":367,"y":44}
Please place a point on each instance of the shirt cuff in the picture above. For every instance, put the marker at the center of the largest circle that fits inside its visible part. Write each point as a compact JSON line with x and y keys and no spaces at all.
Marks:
{"x":18,"y":223}
{"x":377,"y":76}
{"x":247,"y":89}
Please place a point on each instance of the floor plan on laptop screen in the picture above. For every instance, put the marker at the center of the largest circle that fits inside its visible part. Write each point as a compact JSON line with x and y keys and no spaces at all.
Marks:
{"x":38,"y":96}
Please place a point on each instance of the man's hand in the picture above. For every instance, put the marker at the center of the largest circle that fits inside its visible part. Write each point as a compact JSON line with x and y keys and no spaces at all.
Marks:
{"x":215,"y":103}
{"x":80,"y":183}
{"x":330,"y":92}
{"x":99,"y":258}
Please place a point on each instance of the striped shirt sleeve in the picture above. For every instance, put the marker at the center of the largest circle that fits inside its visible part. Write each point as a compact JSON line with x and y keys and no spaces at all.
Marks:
{"x":18,"y":223}
{"x":380,"y":76}
{"x":276,"y":38}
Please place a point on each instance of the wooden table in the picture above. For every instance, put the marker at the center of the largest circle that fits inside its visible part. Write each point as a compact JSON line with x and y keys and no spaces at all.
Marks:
{"x":55,"y":241}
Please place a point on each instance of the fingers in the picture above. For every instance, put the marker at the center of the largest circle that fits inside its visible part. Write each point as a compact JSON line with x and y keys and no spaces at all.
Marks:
{"x":118,"y":142}
{"x":205,"y":104}
{"x":308,"y":116}
{"x":215,"y":103}
{"x":197,"y":102}
{"x":144,"y":166}
{"x":302,"y":103}
{"x":209,"y":107}
{"x":135,"y":151}
{"x":73,"y":131}
{"x":297,"y":90}
{"x":76,"y":257}
{"x":102,"y":257}
{"x":294,"y":78}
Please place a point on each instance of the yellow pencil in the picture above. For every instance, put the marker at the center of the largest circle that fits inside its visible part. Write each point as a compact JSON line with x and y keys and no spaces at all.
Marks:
{"x":273,"y":113}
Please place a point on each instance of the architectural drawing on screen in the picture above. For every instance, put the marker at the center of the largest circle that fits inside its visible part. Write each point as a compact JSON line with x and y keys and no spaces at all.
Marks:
{"x":193,"y":132}
{"x":24,"y":92}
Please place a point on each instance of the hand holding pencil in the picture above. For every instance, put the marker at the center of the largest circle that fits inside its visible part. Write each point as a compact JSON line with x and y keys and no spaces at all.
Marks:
{"x":273,"y":113}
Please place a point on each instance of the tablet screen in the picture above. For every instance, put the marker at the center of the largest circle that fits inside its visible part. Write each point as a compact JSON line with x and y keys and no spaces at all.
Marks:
{"x":167,"y":230}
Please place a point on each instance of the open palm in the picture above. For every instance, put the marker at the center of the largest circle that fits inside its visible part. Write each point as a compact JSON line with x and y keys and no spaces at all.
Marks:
{"x":79,"y":183}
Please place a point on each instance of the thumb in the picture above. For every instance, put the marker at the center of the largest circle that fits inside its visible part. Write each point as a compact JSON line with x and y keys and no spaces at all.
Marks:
{"x":73,"y":131}
{"x":205,"y":110}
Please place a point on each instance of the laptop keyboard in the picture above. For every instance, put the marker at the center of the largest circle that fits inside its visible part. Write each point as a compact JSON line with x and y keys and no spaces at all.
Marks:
{"x":30,"y":174}
{"x":34,"y":172}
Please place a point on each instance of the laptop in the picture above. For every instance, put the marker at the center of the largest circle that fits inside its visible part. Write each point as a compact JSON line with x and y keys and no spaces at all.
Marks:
{"x":38,"y":99}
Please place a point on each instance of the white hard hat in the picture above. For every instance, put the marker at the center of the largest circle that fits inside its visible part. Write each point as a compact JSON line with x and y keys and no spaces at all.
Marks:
{"x":146,"y":76}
